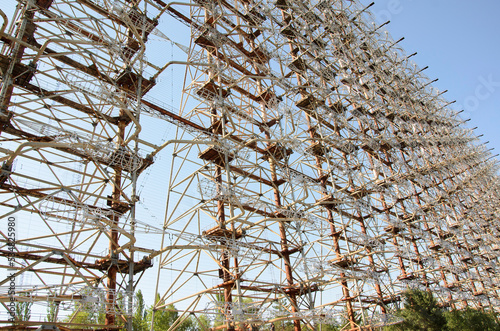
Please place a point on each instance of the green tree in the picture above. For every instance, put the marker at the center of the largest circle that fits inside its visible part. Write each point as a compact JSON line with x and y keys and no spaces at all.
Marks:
{"x":82,"y":315}
{"x":85,"y":317}
{"x":164,"y":318}
{"x":188,"y":324}
{"x":471,"y":320}
{"x":203,"y":323}
{"x":328,"y":327}
{"x":139,"y":321}
{"x":421,"y":312}
{"x":52,"y":310}
{"x":23,"y":310}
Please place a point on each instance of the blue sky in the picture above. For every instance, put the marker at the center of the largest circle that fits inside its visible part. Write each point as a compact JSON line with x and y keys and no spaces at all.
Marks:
{"x":460,"y":42}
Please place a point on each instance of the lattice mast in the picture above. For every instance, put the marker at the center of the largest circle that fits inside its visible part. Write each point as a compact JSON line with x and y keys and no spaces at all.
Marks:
{"x":73,"y":79}
{"x":340,"y":166}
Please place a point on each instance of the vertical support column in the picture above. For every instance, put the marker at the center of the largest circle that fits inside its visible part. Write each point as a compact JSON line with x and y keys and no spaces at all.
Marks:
{"x":110,"y":318}
{"x":284,"y":246}
{"x":334,"y":234}
{"x":25,"y":33}
{"x":217,"y":124}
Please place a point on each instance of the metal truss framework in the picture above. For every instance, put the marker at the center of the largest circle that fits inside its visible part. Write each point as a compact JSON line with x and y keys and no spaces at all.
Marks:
{"x":315,"y":175}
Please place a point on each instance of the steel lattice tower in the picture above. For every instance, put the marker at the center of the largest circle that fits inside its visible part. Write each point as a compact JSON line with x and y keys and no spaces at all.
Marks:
{"x":314,"y":173}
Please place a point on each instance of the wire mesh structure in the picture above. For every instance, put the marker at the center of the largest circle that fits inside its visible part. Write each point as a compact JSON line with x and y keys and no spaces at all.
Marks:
{"x":72,"y":84}
{"x":315,"y":173}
